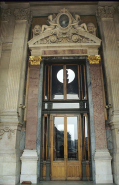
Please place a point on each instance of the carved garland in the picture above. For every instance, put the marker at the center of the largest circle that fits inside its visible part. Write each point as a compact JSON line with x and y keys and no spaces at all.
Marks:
{"x":7,"y":129}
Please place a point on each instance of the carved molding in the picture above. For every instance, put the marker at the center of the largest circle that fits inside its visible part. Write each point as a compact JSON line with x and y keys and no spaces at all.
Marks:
{"x":35,"y":60}
{"x":23,"y":14}
{"x":105,"y":12}
{"x":8,"y":130}
{"x":6,"y":14}
{"x":94,"y":59}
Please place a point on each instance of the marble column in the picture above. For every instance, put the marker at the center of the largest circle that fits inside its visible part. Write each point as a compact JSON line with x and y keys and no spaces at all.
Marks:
{"x":30,"y":157}
{"x":103,"y":173}
{"x":105,"y":16}
{"x":10,"y":125}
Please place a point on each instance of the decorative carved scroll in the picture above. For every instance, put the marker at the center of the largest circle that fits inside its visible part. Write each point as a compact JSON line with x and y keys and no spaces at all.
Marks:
{"x":8,"y":130}
{"x":94,"y":59}
{"x":35,"y":60}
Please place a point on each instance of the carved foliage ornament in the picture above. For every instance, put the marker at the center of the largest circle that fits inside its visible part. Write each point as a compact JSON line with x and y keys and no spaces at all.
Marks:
{"x":8,"y":130}
{"x":23,"y":14}
{"x":35,"y":60}
{"x":6,"y":14}
{"x":94,"y":59}
{"x":75,"y":38}
{"x":105,"y":12}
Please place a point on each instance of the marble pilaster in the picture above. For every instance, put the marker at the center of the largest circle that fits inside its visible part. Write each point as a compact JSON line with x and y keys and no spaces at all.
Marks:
{"x":92,"y":126}
{"x":29,"y":157}
{"x":105,"y":15}
{"x":102,"y":157}
{"x":31,"y":123}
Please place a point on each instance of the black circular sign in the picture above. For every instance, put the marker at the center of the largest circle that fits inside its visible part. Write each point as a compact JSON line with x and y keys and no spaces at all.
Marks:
{"x":64,"y":20}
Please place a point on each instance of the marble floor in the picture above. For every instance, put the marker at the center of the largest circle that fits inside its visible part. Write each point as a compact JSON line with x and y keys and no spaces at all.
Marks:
{"x":67,"y":183}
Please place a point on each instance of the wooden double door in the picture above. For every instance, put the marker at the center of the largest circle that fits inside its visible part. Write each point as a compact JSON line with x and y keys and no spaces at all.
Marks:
{"x":66,"y":147}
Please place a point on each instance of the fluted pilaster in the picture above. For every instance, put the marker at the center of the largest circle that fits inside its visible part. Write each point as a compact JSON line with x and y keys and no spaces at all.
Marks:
{"x":111,"y":53}
{"x":111,"y":62}
{"x":5,"y":17}
{"x":22,"y":17}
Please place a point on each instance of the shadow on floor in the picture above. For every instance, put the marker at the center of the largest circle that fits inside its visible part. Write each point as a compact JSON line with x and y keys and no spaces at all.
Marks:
{"x":67,"y":183}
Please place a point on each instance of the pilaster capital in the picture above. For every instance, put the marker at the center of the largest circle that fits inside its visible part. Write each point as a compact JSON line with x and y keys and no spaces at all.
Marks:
{"x":94,"y":59}
{"x":23,"y":14}
{"x":6,"y":14}
{"x":105,"y":12}
{"x":35,"y":60}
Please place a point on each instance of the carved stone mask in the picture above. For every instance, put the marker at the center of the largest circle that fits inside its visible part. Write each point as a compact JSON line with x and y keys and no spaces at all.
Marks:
{"x":91,"y":28}
{"x":36,"y":30}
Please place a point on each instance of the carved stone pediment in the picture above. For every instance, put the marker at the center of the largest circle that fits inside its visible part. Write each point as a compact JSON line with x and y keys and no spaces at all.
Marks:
{"x":64,"y":28}
{"x":64,"y":35}
{"x":73,"y":37}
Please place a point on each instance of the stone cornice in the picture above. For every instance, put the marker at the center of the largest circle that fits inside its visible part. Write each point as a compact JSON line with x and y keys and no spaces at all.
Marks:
{"x":23,"y":14}
{"x":105,"y":12}
{"x":6,"y":14}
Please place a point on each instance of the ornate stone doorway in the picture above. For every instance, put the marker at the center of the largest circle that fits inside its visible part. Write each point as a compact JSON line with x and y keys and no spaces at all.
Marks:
{"x":66,"y":38}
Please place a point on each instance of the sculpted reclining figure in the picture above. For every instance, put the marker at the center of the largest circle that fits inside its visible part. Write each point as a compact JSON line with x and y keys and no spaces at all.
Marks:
{"x":52,"y":24}
{"x":78,"y":25}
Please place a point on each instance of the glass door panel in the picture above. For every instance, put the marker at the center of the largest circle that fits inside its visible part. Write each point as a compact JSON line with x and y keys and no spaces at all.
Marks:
{"x":58,"y":138}
{"x":72,"y":138}
{"x":72,"y":82}
{"x":57,"y":82}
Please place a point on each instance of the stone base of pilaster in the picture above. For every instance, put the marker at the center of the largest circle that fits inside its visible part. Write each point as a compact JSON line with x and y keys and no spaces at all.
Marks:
{"x":9,"y":167}
{"x":29,"y":166}
{"x":116,"y":167}
{"x":10,"y":154}
{"x":103,"y":170}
